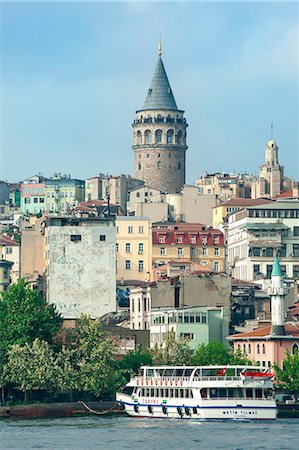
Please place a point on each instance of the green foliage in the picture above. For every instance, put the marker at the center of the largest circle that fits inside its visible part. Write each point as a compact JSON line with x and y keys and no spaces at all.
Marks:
{"x":176,"y":352}
{"x":24,"y":317}
{"x":94,"y":356}
{"x":288,"y":376}
{"x":134,"y":359}
{"x":218,"y":353}
{"x":32,"y":366}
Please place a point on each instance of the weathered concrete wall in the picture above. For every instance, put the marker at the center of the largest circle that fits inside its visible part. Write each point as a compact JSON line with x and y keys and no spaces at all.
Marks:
{"x":81,"y":275}
{"x":203,"y":290}
{"x":32,"y":250}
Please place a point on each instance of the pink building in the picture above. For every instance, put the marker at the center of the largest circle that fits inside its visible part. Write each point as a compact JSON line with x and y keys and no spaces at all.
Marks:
{"x":267,"y":345}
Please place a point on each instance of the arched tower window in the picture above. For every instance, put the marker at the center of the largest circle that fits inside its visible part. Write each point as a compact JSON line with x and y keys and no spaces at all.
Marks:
{"x":159,"y":165}
{"x":160,"y":118}
{"x":258,"y":349}
{"x":169,"y":138}
{"x":244,"y":348}
{"x":179,"y":137}
{"x":249,"y":349}
{"x":158,"y":136}
{"x":263,"y":349}
{"x":179,"y":165}
{"x":139,"y":166}
{"x":295,"y":349}
{"x":148,"y":136}
{"x":139,"y":137}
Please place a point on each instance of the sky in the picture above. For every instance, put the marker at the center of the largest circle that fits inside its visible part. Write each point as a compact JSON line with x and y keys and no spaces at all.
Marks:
{"x":73,"y":74}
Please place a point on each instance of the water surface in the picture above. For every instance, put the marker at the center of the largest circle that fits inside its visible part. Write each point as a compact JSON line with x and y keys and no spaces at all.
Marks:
{"x":122,"y":432}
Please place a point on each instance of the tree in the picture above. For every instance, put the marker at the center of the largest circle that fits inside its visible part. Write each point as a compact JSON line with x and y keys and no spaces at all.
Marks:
{"x":216,"y":352}
{"x":133,"y":360}
{"x":32,"y":366}
{"x":24,"y":317}
{"x":99,"y":373}
{"x":176,"y":352}
{"x":288,"y":376}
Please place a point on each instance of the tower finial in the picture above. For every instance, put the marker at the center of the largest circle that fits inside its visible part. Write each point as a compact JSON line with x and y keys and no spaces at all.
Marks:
{"x":271,"y":126}
{"x":160,"y":47}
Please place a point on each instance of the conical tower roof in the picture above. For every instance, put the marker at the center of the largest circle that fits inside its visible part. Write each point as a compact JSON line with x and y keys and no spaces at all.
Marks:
{"x":276,"y":271}
{"x":160,"y":95}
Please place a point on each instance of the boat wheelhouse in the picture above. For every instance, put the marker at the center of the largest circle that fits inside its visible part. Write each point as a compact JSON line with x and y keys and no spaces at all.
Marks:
{"x":206,"y":392}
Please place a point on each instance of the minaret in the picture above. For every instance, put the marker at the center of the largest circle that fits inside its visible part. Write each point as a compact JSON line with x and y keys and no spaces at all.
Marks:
{"x":277,"y":300}
{"x":160,"y":136}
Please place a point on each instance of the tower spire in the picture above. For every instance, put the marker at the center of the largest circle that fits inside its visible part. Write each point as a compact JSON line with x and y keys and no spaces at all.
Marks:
{"x":160,"y":47}
{"x":271,"y":127}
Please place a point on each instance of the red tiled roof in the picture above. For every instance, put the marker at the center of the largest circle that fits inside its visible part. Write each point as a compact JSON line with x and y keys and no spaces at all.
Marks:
{"x":292,"y":329}
{"x":6,"y":240}
{"x":237,"y":201}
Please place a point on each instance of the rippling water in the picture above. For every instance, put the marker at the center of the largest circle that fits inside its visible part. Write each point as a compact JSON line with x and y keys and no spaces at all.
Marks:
{"x":122,"y":432}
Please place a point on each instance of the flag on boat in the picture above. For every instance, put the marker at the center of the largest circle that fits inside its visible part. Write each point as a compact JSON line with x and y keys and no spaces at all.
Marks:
{"x":221,"y":372}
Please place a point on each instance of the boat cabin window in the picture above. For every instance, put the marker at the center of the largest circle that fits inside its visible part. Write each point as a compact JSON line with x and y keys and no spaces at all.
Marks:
{"x":178,"y":372}
{"x":258,"y":393}
{"x":188,"y":372}
{"x":128,"y":390}
{"x":269,"y":393}
{"x":204,"y":393}
{"x":168,"y":373}
{"x":149,"y":373}
{"x":141,"y":372}
{"x":249,"y":393}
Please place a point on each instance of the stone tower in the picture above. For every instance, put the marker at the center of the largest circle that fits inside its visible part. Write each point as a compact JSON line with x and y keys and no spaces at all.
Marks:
{"x":271,"y":171}
{"x":160,"y":136}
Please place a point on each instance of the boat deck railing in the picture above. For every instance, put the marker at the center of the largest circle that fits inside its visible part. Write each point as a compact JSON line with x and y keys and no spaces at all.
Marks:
{"x":181,"y":380}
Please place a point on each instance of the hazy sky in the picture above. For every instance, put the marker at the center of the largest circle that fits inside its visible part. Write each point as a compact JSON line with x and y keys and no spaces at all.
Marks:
{"x":74,"y":73}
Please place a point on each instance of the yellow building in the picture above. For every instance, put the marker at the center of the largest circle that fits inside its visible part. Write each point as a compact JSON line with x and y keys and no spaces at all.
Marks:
{"x":134,"y":248}
{"x":188,"y":242}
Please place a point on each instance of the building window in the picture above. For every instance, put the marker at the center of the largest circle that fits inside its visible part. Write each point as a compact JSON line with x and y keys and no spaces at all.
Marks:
{"x":148,"y":137}
{"x":216,"y":266}
{"x":295,"y":349}
{"x":128,"y":264}
{"x":179,"y":240}
{"x":180,"y":251}
{"x":249,"y":349}
{"x":140,"y":248}
{"x":193,"y":251}
{"x":75,"y":237}
{"x":283,"y":270}
{"x":216,"y":239}
{"x":169,"y":137}
{"x":296,"y":231}
{"x":158,"y":136}
{"x":269,"y":252}
{"x":193,"y":239}
{"x":216,"y":251}
{"x":128,"y":248}
{"x":263,"y":349}
{"x":256,"y":269}
{"x":296,"y":272}
{"x":269,"y":270}
{"x":130,"y":230}
{"x":283,"y":250}
{"x":204,"y":240}
{"x":140,"y":266}
{"x":162,"y":251}
{"x":161,"y":239}
{"x":256,"y":251}
{"x":102,"y":237}
{"x":296,"y":250}
{"x":139,"y":137}
{"x":258,"y":349}
{"x":27,"y":200}
{"x":8,"y":250}
{"x":204,"y":252}
{"x":140,"y":230}
{"x":117,"y":246}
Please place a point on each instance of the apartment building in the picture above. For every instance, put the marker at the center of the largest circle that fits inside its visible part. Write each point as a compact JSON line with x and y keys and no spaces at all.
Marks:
{"x":257,"y":234}
{"x":133,"y":248}
{"x":189,"y":242}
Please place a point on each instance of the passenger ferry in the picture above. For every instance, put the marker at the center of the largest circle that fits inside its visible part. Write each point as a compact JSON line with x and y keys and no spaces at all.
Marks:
{"x":207,"y":392}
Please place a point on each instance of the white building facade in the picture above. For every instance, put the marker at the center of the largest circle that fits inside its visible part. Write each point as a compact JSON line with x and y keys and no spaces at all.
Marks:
{"x":257,"y":234}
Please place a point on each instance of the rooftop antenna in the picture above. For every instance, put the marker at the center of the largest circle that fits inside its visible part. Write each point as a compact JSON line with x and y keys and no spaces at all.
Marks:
{"x":271,"y":126}
{"x":160,"y":47}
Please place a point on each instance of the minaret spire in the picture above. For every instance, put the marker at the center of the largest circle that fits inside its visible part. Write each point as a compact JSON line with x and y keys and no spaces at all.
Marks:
{"x":271,"y":126}
{"x":277,"y":300}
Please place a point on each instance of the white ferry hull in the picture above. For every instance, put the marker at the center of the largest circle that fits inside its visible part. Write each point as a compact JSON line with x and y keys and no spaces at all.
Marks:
{"x":193,"y":411}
